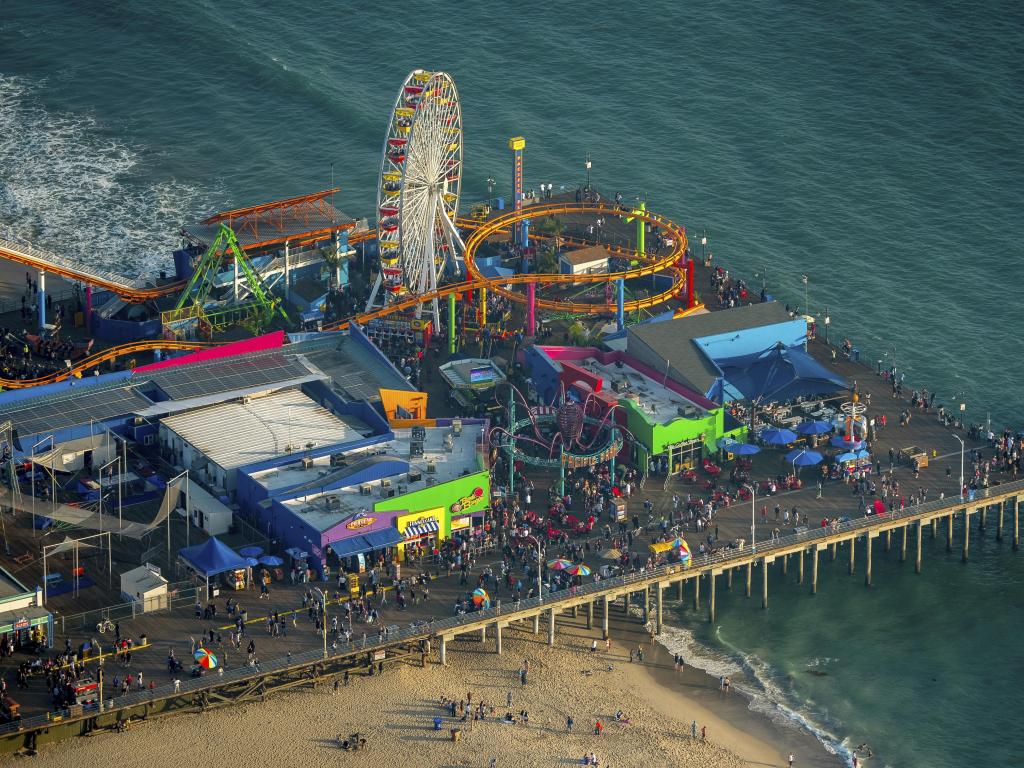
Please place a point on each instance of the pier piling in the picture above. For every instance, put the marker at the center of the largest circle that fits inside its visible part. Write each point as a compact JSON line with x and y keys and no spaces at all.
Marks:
{"x":999,"y":520}
{"x":444,"y":651}
{"x":888,"y":540}
{"x":785,"y":564}
{"x":903,"y":544}
{"x":497,"y":638}
{"x":590,"y":615}
{"x":1016,"y":527}
{"x":800,"y":567}
{"x":660,"y":597}
{"x":832,"y":551}
{"x":967,"y":533}
{"x":536,"y":623}
{"x":853,"y":553}
{"x":764,"y":582}
{"x":604,"y":618}
{"x":711,"y":596}
{"x":917,"y":561}
{"x":696,"y":592}
{"x":679,"y":589}
{"x":728,"y":579}
{"x":868,"y":539}
{"x":750,"y":574}
{"x":949,"y":532}
{"x":551,"y":626}
{"x":814,"y":570}
{"x":935,"y":528}
{"x":983,"y":518}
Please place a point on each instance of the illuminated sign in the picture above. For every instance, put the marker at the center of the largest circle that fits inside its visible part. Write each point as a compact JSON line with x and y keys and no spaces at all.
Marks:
{"x":481,"y":375}
{"x":467,"y":502}
{"x":360,"y":522}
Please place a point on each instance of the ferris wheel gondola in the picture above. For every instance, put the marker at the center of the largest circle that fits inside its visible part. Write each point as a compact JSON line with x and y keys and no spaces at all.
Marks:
{"x":418,"y":193}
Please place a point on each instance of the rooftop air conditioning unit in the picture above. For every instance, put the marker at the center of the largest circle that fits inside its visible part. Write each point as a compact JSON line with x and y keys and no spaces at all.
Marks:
{"x":331,"y":502}
{"x":385,"y":483}
{"x":415,"y":449}
{"x":431,"y":469}
{"x":365,"y":489}
{"x":415,"y":475}
{"x":419,"y":433}
{"x":431,"y":481}
{"x":457,"y":427}
{"x":387,"y":493}
{"x":402,"y":488}
{"x":634,"y":396}
{"x":139,"y":421}
{"x":449,"y":443}
{"x":337,"y":459}
{"x":686,"y":410}
{"x":620,"y":385}
{"x":307,"y":462}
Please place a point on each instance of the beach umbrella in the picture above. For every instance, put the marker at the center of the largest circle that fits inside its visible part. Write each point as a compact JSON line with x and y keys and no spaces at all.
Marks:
{"x":252,"y":562}
{"x":271,"y":560}
{"x":744,"y":449}
{"x":774,"y":436}
{"x":848,"y":456}
{"x":863,"y":454}
{"x":725,"y":442}
{"x":841,"y":442}
{"x":578,"y":570}
{"x":558,"y":564}
{"x":252,"y":551}
{"x":801,"y":457}
{"x":205,"y":658}
{"x":481,"y":598}
{"x":813,"y":428}
{"x":684,"y":549}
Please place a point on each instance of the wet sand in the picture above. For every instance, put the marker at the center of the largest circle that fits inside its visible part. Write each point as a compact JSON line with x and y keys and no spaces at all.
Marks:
{"x":395,"y":713}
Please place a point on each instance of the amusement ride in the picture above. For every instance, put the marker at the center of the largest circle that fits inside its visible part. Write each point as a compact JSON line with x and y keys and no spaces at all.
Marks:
{"x":419,"y":242}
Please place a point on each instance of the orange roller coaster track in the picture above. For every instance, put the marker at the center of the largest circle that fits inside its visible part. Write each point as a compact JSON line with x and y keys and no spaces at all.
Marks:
{"x":480,"y":232}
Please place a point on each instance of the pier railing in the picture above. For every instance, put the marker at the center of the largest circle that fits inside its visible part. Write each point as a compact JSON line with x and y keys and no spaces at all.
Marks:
{"x":424,"y":630}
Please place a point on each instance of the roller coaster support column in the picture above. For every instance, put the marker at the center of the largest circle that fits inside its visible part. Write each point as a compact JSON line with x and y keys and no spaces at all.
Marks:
{"x":42,"y":300}
{"x":483,"y":306}
{"x":689,"y":283}
{"x":451,"y":323}
{"x":620,"y":315}
{"x":516,"y":144}
{"x":287,"y":272}
{"x":531,"y":307}
{"x":561,"y":473}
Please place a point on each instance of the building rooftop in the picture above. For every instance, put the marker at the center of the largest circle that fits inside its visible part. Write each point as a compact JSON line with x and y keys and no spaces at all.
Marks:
{"x":10,"y":586}
{"x":587,"y":255}
{"x":357,"y":370}
{"x":325,"y":509}
{"x":672,"y":340}
{"x":652,"y":397}
{"x":242,"y":432}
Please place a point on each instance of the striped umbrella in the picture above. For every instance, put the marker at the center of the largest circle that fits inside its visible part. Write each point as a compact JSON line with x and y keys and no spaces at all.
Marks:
{"x":558,"y":564}
{"x":481,"y":598}
{"x":578,"y":570}
{"x":205,"y":658}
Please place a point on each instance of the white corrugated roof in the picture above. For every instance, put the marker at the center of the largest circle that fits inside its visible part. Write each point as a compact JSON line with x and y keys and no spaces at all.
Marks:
{"x":238,"y":433}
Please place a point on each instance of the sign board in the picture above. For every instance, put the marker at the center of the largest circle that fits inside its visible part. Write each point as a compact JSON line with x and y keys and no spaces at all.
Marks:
{"x":353,"y":584}
{"x":360,"y":521}
{"x":22,"y":624}
{"x":481,"y":375}
{"x":379,"y":655}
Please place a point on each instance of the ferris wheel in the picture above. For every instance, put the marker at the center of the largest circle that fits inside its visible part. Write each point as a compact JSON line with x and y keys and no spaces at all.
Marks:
{"x":418,"y":194}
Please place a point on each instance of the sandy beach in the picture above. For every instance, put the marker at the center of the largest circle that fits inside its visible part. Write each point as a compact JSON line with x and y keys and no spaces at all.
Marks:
{"x":395,"y":712}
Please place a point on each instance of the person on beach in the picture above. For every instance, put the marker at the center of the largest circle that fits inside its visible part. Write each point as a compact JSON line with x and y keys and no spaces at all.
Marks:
{"x":693,"y":729}
{"x":568,"y":723}
{"x":704,"y":733}
{"x":791,"y":759}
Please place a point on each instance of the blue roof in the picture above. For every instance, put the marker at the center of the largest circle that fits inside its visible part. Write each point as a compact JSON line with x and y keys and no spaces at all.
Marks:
{"x":213,"y":557}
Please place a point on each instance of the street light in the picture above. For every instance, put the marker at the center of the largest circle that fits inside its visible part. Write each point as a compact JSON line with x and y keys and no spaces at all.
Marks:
{"x":753,"y":529}
{"x":963,"y":447}
{"x":588,"y":171}
{"x":807,"y":310}
{"x":828,"y":321}
{"x":540,"y":585}
{"x":323,"y":609}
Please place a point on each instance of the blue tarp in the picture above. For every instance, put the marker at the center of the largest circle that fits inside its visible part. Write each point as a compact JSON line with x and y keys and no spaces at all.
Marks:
{"x":777,"y":374}
{"x":213,"y":557}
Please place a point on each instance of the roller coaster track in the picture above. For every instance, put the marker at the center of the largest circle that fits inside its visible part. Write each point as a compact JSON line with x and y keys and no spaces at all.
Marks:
{"x":103,"y":356}
{"x":30,"y":256}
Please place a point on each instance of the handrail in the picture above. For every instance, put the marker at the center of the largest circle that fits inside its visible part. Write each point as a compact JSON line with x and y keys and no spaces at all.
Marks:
{"x":427,"y":630}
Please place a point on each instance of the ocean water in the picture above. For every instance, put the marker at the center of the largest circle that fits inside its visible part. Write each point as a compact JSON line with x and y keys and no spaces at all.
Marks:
{"x":873,"y":147}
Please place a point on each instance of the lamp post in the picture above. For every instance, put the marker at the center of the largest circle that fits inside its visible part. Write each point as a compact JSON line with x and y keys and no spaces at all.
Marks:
{"x":828,"y":320}
{"x":807,"y":310}
{"x":33,"y":476}
{"x":540,"y":584}
{"x":753,"y":522}
{"x":963,"y":447}
{"x":323,"y":610}
{"x":703,"y":246}
{"x":490,"y":189}
{"x":587,"y":164}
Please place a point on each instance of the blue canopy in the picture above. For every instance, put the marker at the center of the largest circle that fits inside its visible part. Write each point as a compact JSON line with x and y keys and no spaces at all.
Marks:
{"x":213,"y":557}
{"x":802,"y":457}
{"x":846,"y":457}
{"x":725,"y":442}
{"x":355,"y":545}
{"x":777,"y":374}
{"x":863,"y":454}
{"x":251,"y":551}
{"x":774,"y":436}
{"x":813,"y":428}
{"x":744,"y":449}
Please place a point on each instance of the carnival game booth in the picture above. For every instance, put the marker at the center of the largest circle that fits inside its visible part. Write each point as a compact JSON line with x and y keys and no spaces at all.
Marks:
{"x":214,"y":558}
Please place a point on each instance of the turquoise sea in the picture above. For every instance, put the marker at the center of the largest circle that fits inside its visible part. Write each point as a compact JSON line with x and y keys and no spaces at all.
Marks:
{"x":873,"y":146}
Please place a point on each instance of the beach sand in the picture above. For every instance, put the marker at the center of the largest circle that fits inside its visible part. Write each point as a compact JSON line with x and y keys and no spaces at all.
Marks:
{"x":395,"y":712}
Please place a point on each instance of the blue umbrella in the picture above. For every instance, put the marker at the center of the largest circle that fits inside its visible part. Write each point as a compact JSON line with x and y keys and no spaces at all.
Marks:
{"x":725,"y":442}
{"x":744,"y":449}
{"x":863,"y":454}
{"x":271,"y":560}
{"x":252,"y":551}
{"x":849,"y":456}
{"x":814,"y":428}
{"x":252,"y":561}
{"x":841,"y":442}
{"x":802,"y":457}
{"x":774,"y":436}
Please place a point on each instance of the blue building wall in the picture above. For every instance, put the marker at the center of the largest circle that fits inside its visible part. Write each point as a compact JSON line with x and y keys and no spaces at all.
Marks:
{"x":544,"y":371}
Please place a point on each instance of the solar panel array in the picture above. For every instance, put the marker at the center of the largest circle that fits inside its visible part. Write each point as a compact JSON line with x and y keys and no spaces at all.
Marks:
{"x":40,"y":416}
{"x":191,"y":381}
